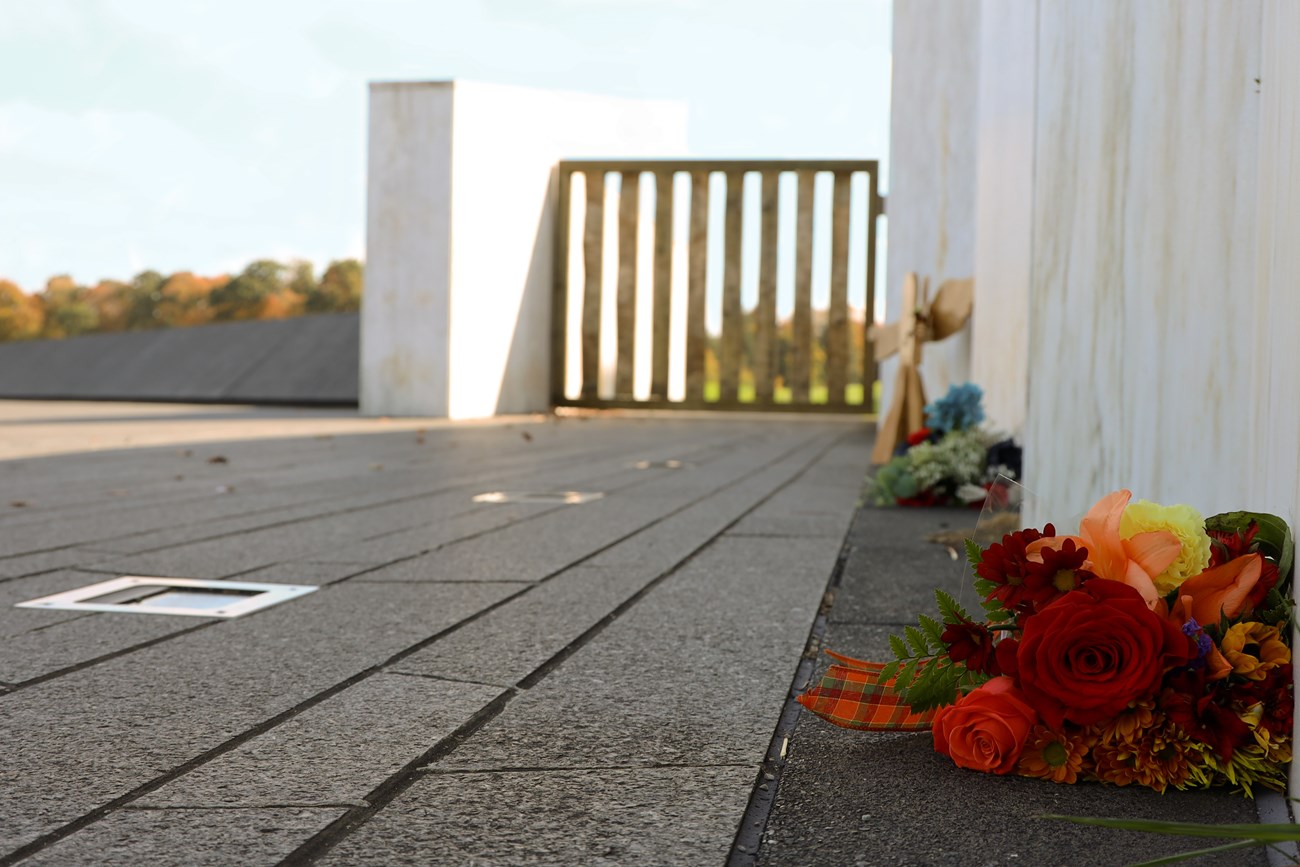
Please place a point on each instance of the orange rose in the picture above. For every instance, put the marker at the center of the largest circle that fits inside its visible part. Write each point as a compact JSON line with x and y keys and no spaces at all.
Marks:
{"x":986,"y":729}
{"x":1219,"y":592}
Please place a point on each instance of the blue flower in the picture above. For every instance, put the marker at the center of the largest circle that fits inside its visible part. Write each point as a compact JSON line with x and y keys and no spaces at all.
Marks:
{"x":959,"y":409}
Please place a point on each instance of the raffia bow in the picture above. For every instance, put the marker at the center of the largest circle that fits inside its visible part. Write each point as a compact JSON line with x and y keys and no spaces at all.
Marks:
{"x":921,"y":321}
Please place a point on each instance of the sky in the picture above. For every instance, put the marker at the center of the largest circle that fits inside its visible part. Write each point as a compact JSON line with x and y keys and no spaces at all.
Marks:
{"x":195,"y":135}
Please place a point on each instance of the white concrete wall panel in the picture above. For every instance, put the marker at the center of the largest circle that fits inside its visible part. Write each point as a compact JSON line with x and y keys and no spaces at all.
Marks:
{"x":1004,"y":208}
{"x":506,"y":142}
{"x":404,"y":322}
{"x":932,"y":147}
{"x":456,"y":315}
{"x":1142,"y":313}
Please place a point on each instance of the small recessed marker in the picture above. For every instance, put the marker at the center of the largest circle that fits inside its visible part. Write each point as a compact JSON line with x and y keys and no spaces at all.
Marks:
{"x":136,"y":594}
{"x":568,"y":498}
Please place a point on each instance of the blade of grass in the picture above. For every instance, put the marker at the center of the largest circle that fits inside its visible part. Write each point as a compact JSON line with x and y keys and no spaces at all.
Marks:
{"x":1276,"y":833}
{"x":1197,"y":853}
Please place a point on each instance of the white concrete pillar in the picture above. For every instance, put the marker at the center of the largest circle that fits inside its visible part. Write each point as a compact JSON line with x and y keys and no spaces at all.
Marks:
{"x":456,"y":313}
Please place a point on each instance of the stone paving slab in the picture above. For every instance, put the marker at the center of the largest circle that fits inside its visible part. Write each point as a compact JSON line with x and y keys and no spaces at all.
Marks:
{"x":195,"y":838}
{"x":316,"y":758}
{"x":594,"y":817}
{"x":674,"y":680}
{"x":325,"y":700}
{"x":81,"y":638}
{"x":126,"y":721}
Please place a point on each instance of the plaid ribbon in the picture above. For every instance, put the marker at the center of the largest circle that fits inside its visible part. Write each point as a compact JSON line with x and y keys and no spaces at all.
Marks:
{"x":851,"y":695}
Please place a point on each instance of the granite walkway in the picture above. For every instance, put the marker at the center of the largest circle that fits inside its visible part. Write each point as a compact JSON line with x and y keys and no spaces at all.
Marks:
{"x":472,"y":683}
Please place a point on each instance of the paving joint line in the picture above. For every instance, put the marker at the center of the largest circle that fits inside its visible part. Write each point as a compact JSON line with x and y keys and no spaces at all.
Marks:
{"x":546,"y":769}
{"x":753,"y":822}
{"x":320,"y":843}
{"x":492,"y":709}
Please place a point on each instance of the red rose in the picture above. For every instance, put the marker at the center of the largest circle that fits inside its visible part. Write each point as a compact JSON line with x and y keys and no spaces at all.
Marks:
{"x":1086,"y":656}
{"x":986,"y":729}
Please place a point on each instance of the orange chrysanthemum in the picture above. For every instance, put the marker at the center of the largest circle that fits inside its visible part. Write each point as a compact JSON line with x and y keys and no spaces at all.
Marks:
{"x":1156,"y":758}
{"x":1129,"y":724}
{"x":1054,"y":756}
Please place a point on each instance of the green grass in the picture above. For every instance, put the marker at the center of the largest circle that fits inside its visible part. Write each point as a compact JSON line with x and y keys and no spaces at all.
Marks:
{"x":817,"y":394}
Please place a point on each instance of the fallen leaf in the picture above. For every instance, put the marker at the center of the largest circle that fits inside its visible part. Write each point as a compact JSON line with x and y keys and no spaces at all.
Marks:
{"x":19,"y":504}
{"x":218,"y":459}
{"x":527,"y":436}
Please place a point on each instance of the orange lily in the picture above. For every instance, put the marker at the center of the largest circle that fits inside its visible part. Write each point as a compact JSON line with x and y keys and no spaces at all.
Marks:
{"x":1218,"y":592}
{"x":1134,"y":561}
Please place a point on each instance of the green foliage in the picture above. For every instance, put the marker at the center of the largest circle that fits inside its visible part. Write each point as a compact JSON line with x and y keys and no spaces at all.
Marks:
{"x":243,"y":297}
{"x":339,"y":290}
{"x":974,"y":553}
{"x":1274,"y":537}
{"x":926,"y":677}
{"x":892,"y":482}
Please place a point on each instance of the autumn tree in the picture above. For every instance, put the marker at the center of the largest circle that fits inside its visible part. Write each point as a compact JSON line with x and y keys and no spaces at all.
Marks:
{"x":339,"y":290}
{"x":249,"y":294}
{"x":21,"y":315}
{"x":68,"y":311}
{"x":185,"y":299}
{"x":109,"y":298}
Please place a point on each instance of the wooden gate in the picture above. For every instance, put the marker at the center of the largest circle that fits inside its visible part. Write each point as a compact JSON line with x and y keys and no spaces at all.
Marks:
{"x":751,"y":359}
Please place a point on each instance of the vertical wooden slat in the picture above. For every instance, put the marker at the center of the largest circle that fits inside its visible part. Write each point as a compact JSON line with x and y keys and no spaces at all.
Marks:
{"x":663,"y":283}
{"x":765,"y":337}
{"x":697,"y":270}
{"x":732,"y":316}
{"x":801,"y":361}
{"x":629,"y":202}
{"x":563,"y":180}
{"x":870,"y":369}
{"x":837,"y":328}
{"x":592,"y":243}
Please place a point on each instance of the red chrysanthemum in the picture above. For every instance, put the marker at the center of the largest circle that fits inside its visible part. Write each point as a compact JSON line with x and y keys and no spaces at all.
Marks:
{"x":1007,"y":565}
{"x":1059,"y":571}
{"x":972,"y":644}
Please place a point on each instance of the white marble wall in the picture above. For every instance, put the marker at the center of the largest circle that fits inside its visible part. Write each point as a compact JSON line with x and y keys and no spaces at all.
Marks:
{"x":932,"y":147}
{"x":456,"y":317}
{"x":1004,"y":203}
{"x":1142,"y":316}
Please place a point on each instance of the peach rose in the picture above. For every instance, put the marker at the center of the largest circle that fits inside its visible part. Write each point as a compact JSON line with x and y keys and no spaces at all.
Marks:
{"x":986,"y":729}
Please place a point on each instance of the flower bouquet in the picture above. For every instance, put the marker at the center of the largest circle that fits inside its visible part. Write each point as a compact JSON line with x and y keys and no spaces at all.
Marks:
{"x":1154,"y":647}
{"x":950,"y":460}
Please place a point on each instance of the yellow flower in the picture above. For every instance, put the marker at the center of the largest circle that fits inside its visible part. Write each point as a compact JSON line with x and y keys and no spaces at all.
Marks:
{"x":1185,"y":523}
{"x":1254,"y":649}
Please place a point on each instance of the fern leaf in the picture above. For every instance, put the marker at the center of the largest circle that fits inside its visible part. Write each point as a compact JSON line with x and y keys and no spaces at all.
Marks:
{"x":948,"y":607}
{"x":934,"y":632}
{"x":916,"y":640}
{"x":974,"y":553}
